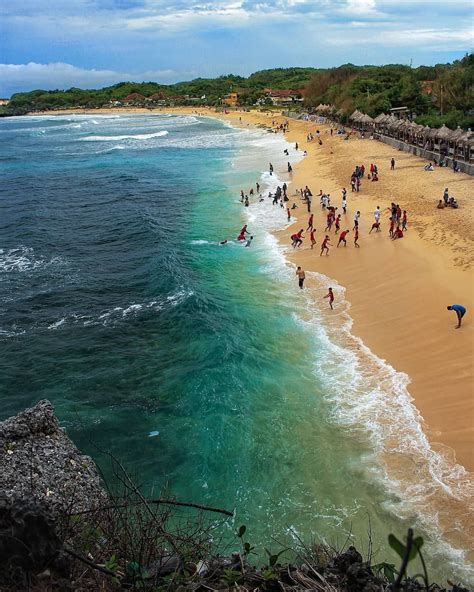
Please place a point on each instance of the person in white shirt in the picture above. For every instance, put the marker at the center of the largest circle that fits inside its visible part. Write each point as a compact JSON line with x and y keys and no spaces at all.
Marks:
{"x":377,"y":214}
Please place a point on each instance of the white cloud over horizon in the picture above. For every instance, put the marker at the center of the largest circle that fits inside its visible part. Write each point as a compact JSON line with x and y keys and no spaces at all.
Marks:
{"x":59,"y":43}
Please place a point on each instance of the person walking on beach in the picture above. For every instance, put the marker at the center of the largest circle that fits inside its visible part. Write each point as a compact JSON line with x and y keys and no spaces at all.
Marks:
{"x":288,"y":213}
{"x":271,"y":169}
{"x":460,"y":311}
{"x":377,"y":214}
{"x":337,"y":223}
{"x":330,"y":296}
{"x":404,"y":220}
{"x":392,"y":164}
{"x":290,"y":168}
{"x":356,"y":237}
{"x":324,"y":245}
{"x":344,"y":204}
{"x":342,"y":238}
{"x":310,"y":223}
{"x":312,"y":237}
{"x":301,"y":276}
{"x":356,"y":219}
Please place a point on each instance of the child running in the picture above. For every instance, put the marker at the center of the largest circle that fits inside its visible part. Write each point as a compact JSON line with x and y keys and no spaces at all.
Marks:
{"x":330,"y":295}
{"x":312,"y":237}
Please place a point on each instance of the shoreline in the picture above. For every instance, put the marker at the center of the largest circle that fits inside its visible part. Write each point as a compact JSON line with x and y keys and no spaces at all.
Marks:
{"x":396,"y":289}
{"x":398,"y":274}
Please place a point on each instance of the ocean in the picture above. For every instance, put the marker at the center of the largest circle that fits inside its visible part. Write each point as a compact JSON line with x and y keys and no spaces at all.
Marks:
{"x":201,"y":366}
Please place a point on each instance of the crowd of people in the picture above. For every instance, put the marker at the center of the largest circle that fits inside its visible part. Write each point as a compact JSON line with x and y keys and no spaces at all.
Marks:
{"x":336,"y":217}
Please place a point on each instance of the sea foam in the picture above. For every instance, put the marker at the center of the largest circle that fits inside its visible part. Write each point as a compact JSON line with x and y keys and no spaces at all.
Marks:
{"x":125,"y":137}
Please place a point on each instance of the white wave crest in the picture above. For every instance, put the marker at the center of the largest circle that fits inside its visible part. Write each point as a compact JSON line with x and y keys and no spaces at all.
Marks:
{"x":113,"y":316}
{"x":125,"y":137}
{"x":23,"y":259}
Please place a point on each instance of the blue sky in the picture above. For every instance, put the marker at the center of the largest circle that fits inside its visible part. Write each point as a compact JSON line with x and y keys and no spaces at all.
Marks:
{"x":93,"y":43}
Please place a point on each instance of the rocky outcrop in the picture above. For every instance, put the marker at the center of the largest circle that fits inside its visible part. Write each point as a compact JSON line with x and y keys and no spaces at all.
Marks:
{"x":38,"y":462}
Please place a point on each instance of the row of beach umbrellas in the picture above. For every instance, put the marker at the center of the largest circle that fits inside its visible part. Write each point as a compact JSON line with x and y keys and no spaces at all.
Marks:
{"x":409,"y":128}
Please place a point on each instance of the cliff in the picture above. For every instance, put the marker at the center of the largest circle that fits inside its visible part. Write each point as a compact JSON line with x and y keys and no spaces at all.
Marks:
{"x":39,"y":462}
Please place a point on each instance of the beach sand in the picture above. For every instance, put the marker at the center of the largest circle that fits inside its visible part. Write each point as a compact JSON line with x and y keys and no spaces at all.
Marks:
{"x":398,"y":290}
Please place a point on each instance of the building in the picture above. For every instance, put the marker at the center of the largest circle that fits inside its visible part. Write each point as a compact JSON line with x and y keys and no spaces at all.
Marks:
{"x":283,"y":97}
{"x":401,"y":112}
{"x":134,"y":98}
{"x":4,"y":102}
{"x":231,"y":99}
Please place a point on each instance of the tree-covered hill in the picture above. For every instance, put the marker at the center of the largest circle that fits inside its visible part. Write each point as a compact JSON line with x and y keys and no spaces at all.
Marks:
{"x":435,"y":94}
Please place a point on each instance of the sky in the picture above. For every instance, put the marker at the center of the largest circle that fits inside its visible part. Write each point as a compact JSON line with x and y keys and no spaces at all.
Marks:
{"x":53,"y":44}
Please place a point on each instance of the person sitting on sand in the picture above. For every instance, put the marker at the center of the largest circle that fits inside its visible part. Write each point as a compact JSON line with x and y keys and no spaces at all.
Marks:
{"x":460,"y":311}
{"x":397,"y":234}
{"x":375,"y":226}
{"x":429,"y":167}
{"x":294,"y":206}
{"x":441,"y":205}
{"x":330,"y":296}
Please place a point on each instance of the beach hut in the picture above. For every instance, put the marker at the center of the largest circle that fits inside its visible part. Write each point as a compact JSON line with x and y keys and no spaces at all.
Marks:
{"x":465,"y":144}
{"x":453,"y":141}
{"x":441,"y":139}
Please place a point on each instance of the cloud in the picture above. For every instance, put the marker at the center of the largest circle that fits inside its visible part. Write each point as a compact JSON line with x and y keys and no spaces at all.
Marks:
{"x":63,"y":76}
{"x":113,"y":40}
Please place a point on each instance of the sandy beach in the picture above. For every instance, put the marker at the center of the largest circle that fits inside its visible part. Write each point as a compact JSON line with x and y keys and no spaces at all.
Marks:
{"x":398,"y":290}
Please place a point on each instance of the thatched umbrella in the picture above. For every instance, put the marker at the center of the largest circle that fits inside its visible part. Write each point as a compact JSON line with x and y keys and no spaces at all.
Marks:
{"x":426,"y":131}
{"x":456,"y":134}
{"x":379,"y":118}
{"x":355,"y":115}
{"x":444,"y":133}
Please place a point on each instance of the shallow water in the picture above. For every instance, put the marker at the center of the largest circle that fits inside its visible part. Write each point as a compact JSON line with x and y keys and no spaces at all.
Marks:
{"x":198,"y":365}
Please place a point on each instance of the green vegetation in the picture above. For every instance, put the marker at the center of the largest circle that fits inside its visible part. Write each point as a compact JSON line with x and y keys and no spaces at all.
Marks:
{"x":435,"y":94}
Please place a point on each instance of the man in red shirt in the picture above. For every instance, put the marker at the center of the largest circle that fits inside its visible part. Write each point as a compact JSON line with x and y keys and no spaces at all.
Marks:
{"x":324,"y":245}
{"x":310,"y":223}
{"x":342,"y":238}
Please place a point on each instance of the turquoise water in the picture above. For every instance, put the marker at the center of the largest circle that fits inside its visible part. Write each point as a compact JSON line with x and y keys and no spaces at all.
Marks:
{"x":200,"y":366}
